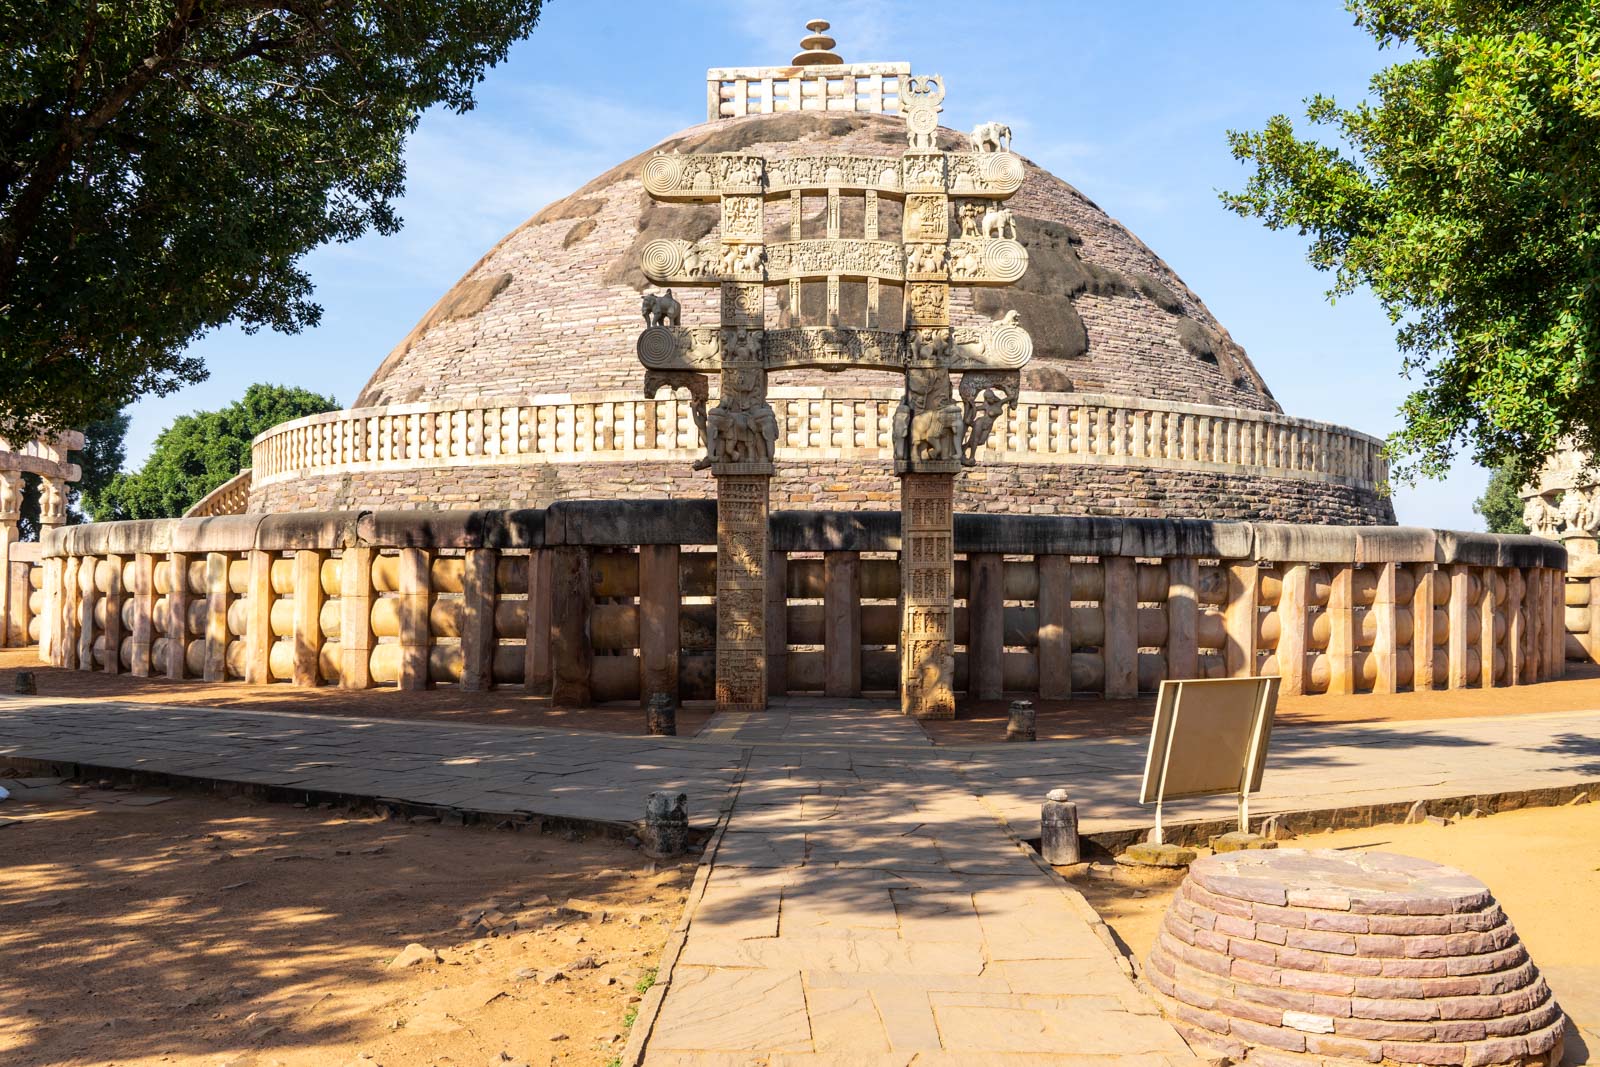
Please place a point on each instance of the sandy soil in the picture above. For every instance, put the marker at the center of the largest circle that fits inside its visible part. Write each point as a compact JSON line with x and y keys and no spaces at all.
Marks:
{"x":192,"y":931}
{"x":1065,"y":720}
{"x":1543,"y":865}
{"x":448,"y":703}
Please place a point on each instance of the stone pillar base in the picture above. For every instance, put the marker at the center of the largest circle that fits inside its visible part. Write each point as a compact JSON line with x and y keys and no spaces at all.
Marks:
{"x":927,"y":604}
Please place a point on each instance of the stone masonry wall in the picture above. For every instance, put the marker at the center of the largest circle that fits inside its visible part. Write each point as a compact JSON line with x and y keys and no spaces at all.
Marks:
{"x":994,"y":488}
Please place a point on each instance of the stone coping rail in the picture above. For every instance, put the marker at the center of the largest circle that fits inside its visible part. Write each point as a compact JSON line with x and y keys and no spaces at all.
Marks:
{"x":815,"y":424}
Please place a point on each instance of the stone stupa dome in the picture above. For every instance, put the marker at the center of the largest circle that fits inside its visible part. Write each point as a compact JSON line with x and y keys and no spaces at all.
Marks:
{"x":521,"y":385}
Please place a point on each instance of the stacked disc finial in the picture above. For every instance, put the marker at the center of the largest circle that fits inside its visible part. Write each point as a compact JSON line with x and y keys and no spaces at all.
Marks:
{"x":1324,"y":957}
{"x":817,"y":48}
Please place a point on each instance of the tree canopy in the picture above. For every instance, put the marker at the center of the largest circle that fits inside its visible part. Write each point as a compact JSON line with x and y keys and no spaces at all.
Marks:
{"x":1464,"y":194}
{"x":164,"y":167}
{"x":199,"y":452}
{"x":1500,"y":505}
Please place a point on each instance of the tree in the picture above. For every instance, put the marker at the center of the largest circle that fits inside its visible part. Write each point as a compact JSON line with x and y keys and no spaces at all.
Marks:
{"x":1500,"y":505}
{"x":199,"y":452}
{"x":164,"y":167}
{"x":100,"y":459}
{"x":1464,"y":194}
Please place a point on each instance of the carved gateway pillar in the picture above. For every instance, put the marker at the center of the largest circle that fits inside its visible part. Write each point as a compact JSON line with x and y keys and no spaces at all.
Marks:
{"x":935,"y":433}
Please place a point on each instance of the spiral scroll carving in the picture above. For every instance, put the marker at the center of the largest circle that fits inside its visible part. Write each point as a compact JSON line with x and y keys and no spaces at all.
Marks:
{"x":1008,"y":345}
{"x":1003,"y":171}
{"x":662,"y":174}
{"x":662,"y":259}
{"x":1004,"y":260}
{"x":658,"y":347}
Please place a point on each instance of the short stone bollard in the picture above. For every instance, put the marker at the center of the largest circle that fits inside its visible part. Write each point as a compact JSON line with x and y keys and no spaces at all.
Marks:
{"x":1058,"y":830}
{"x":1022,"y":726}
{"x":666,"y":825}
{"x":27,"y":683}
{"x":661,"y":715}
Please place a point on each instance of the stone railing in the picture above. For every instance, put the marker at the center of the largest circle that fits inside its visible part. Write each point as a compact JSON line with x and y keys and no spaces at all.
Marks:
{"x":21,"y":595}
{"x":814,"y":424}
{"x":232,"y":497}
{"x":600,"y":601}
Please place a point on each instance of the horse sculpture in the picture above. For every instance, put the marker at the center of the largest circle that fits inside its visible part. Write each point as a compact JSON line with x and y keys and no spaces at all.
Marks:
{"x":991,"y":137}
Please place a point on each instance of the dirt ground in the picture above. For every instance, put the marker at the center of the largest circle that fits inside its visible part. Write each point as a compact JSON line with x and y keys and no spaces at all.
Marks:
{"x":448,"y":703}
{"x":1066,"y":720}
{"x":1543,"y":865}
{"x":141,"y":929}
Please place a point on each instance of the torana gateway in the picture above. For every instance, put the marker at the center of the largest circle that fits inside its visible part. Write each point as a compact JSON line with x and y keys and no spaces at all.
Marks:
{"x":816,"y":397}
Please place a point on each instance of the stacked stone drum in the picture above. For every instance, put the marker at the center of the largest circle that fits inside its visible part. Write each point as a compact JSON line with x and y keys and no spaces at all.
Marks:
{"x":1330,"y":958}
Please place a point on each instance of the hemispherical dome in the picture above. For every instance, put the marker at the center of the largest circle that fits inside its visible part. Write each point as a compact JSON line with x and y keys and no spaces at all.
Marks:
{"x":554,"y":307}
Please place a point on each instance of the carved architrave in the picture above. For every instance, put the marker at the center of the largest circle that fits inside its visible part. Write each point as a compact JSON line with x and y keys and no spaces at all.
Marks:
{"x":702,"y":178}
{"x":985,"y":261}
{"x":994,"y":174}
{"x":668,"y":261}
{"x":830,"y":348}
{"x":687,"y":348}
{"x":815,"y":174}
{"x":836,"y":258}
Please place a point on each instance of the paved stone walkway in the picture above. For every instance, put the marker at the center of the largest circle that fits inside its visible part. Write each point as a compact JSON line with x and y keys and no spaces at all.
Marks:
{"x":863,"y":907}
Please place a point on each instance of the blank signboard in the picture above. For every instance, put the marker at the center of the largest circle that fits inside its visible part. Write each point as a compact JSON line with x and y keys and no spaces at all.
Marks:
{"x":1209,"y":736}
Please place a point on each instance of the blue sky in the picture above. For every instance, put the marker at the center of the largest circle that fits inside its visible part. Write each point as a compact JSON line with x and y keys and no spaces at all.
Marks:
{"x":1128,"y":102}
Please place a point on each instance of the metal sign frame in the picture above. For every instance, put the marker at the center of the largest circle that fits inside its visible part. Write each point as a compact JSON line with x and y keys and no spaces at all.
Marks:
{"x":1209,"y":737}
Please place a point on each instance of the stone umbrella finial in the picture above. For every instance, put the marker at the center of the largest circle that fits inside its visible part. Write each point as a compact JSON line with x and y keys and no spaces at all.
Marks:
{"x":817,"y":49}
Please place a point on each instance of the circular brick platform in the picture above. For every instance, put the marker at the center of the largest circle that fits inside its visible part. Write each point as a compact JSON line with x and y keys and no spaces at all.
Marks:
{"x":1321,"y":957}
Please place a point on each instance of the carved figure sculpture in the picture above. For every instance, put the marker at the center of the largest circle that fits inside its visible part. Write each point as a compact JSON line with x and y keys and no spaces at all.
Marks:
{"x":1540,"y":517}
{"x":902,"y":429}
{"x":970,"y":214}
{"x":742,"y":428}
{"x":1000,"y":223}
{"x":986,"y":398}
{"x":991,"y":137}
{"x":935,"y":415}
{"x":660,"y":309}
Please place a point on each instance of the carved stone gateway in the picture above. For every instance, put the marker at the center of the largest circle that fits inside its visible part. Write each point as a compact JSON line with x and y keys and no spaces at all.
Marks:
{"x":937,"y":427}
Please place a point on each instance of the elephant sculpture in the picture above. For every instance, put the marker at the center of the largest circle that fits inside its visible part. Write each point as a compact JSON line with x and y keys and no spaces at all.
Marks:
{"x":999,"y":222}
{"x":660,"y":309}
{"x":935,"y":435}
{"x":991,"y":137}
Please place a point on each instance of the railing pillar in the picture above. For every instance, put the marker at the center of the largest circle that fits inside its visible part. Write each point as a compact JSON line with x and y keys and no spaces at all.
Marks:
{"x":144,"y":604}
{"x":1055,"y":627}
{"x":67,"y":632}
{"x":1423,"y":634}
{"x":477,"y":619}
{"x":114,"y":595}
{"x":218,"y":596}
{"x":1516,"y":629}
{"x":1293,"y":627}
{"x":178,"y":615}
{"x":1119,"y":606}
{"x":17,"y":613}
{"x":308,"y":597}
{"x":88,"y":593}
{"x":777,"y":623}
{"x":985,"y":625}
{"x":841,"y":615}
{"x":1558,"y":628}
{"x":536,"y":653}
{"x":1486,"y":641}
{"x":571,"y":650}
{"x":1342,"y":631}
{"x":415,"y":582}
{"x":1594,"y":620}
{"x":1385,"y":644}
{"x":258,"y":635}
{"x":355,"y":618}
{"x":659,"y":600}
{"x":1242,"y":619}
{"x":1460,"y":590}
